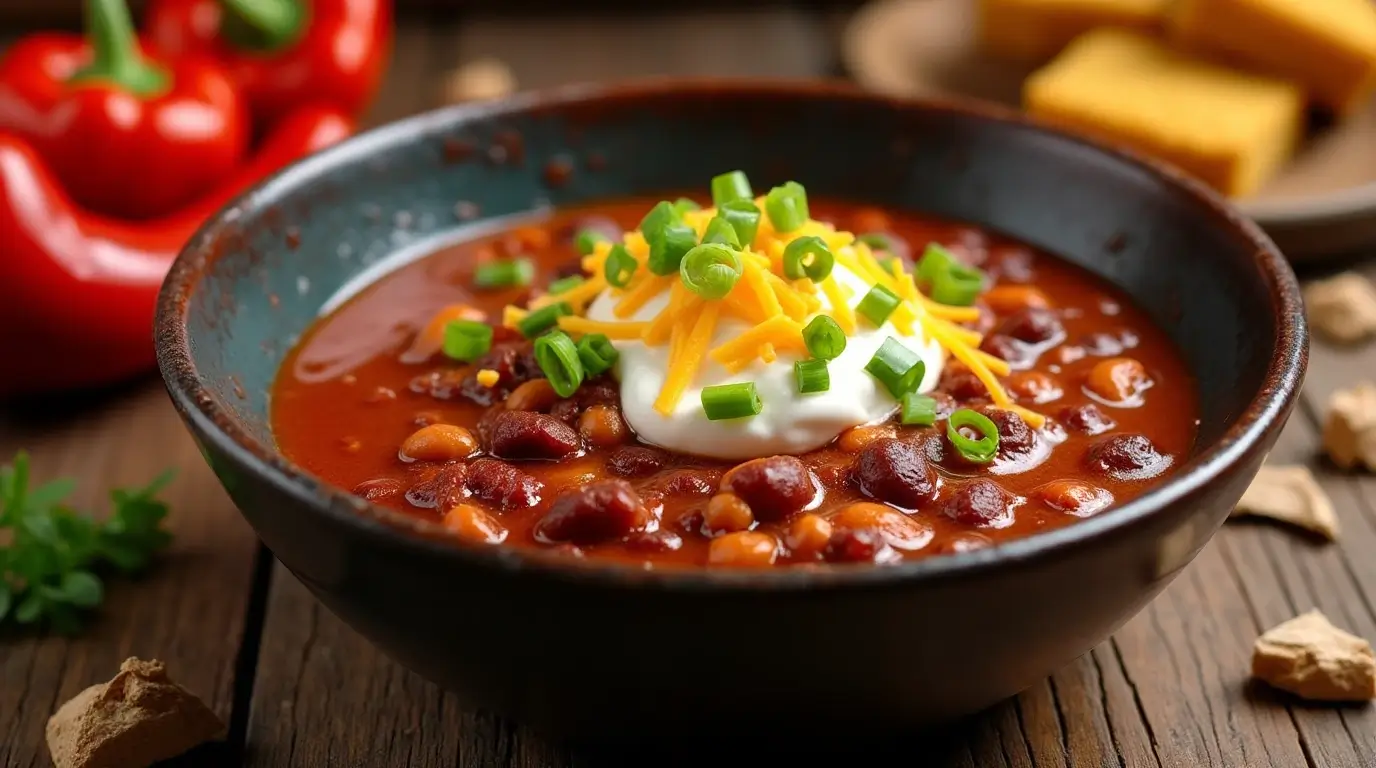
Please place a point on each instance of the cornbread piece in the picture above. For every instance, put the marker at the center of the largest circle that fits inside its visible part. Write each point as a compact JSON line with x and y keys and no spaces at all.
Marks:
{"x":135,"y":720}
{"x":1231,"y":129}
{"x":1313,"y":659}
{"x":1342,"y":308}
{"x":1289,"y":494}
{"x":1036,"y":30}
{"x":1349,"y":430}
{"x":1328,"y":46}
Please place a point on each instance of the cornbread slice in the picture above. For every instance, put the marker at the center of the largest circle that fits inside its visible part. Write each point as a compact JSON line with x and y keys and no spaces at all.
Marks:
{"x":1038,"y":29}
{"x":1327,"y":46}
{"x":1231,"y":129}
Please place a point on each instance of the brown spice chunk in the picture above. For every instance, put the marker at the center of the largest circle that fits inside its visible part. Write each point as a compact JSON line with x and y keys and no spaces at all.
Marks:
{"x":1289,"y":494}
{"x":1342,"y":308}
{"x":1349,"y":430}
{"x":1313,"y":659}
{"x":136,"y":719}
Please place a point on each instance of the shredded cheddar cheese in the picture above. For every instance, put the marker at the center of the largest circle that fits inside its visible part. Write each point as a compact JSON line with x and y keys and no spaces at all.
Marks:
{"x":618,"y":331}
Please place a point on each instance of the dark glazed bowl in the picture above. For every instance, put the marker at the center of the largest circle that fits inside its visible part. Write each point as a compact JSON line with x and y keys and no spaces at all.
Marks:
{"x":600,"y":652}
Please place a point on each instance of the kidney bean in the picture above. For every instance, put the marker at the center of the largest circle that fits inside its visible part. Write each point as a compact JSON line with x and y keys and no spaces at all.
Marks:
{"x":600,"y":391}
{"x":438,"y":442}
{"x":1007,"y":299}
{"x":528,"y":435}
{"x":961,"y":384}
{"x":1074,"y":497}
{"x":691,"y":521}
{"x":689,"y":482}
{"x":441,"y":490}
{"x":474,"y":525}
{"x":1086,"y":419}
{"x":855,"y":438}
{"x":654,"y":541}
{"x":744,"y":549}
{"x":1011,"y":264}
{"x":1033,"y":326}
{"x":534,"y":395}
{"x":635,"y":461}
{"x":379,"y":489}
{"x":981,"y":504}
{"x":566,"y":411}
{"x":1118,"y":379}
{"x":1035,"y":387}
{"x":1128,"y":457}
{"x":599,"y":511}
{"x":775,"y":488}
{"x":899,"y":530}
{"x":896,"y":472}
{"x":1015,"y":436}
{"x":808,"y":535}
{"x":726,"y":513}
{"x":440,"y":385}
{"x":603,"y":427}
{"x":1018,"y":355}
{"x":502,"y":485}
{"x":859,"y":546}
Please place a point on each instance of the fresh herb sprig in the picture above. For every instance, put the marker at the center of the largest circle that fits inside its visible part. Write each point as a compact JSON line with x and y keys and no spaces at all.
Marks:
{"x":50,"y":553}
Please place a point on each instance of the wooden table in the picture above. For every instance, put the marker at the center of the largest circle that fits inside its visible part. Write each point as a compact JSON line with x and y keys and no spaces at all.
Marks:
{"x":300,"y":689}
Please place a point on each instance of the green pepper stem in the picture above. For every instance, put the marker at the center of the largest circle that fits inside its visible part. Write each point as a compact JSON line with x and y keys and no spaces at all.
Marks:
{"x":116,"y":57}
{"x":262,"y":25}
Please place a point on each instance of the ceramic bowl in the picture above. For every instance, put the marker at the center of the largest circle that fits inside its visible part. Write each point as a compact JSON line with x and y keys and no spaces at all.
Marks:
{"x":601,"y":652}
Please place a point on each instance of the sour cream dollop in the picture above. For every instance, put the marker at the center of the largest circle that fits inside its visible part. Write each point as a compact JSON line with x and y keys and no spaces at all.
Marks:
{"x":789,"y":423}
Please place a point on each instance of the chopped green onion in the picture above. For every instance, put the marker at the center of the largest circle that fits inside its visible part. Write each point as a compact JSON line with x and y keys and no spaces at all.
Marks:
{"x":557,"y":356}
{"x":898,"y":368}
{"x":812,"y":376}
{"x":730,"y":187}
{"x":586,"y":241}
{"x":935,"y":260}
{"x":596,"y":353}
{"x":668,"y":248}
{"x":919,"y":410}
{"x":543,"y":319}
{"x":878,"y":304}
{"x":745,"y":219}
{"x":719,"y":230}
{"x":683,"y":205}
{"x":659,"y":217}
{"x":711,"y":270}
{"x":731,"y":401}
{"x":824,"y":338}
{"x":981,"y":451}
{"x":505,"y":273}
{"x":565,"y":283}
{"x":787,"y":206}
{"x":467,"y":340}
{"x":958,"y":286}
{"x":620,"y":266}
{"x":877,"y":241}
{"x":808,"y":257}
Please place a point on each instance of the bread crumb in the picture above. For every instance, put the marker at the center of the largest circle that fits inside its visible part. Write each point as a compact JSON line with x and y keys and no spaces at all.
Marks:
{"x":1349,"y":429}
{"x":478,"y":80}
{"x":135,"y":720}
{"x":1342,"y":308}
{"x":1313,"y":659}
{"x":1291,"y":495}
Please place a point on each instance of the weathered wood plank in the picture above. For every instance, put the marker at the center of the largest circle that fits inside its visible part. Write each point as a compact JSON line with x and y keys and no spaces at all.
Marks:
{"x":188,"y":610}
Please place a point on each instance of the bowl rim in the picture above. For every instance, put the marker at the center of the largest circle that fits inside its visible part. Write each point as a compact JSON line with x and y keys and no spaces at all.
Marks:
{"x":211,"y":422}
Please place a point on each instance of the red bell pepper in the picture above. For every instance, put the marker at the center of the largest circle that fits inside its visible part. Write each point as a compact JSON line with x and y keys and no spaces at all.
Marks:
{"x":77,"y":290}
{"x":126,"y":135}
{"x":283,"y":53}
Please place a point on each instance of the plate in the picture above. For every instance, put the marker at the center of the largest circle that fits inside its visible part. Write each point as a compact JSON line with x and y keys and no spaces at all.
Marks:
{"x":1322,"y":204}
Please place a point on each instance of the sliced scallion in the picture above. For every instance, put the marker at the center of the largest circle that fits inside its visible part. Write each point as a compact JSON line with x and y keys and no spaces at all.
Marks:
{"x":596,"y":353}
{"x":557,"y":356}
{"x":744,"y":217}
{"x":504,"y":273}
{"x":811,"y":376}
{"x":683,"y":205}
{"x":981,"y":450}
{"x":659,"y":217}
{"x":808,"y":257}
{"x":957,"y":286}
{"x":731,"y":401}
{"x":565,"y":283}
{"x":824,"y":338}
{"x":898,"y":368}
{"x":586,"y":241}
{"x":877,"y":305}
{"x":935,"y":260}
{"x":668,"y":248}
{"x":467,"y":340}
{"x":730,"y":187}
{"x":620,"y":266}
{"x":918,"y":410}
{"x":543,"y":319}
{"x":787,"y":206}
{"x":719,"y":230}
{"x":711,"y":270}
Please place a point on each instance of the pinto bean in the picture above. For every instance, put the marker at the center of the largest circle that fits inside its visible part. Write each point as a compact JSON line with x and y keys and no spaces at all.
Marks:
{"x":859,"y":546}
{"x":743,"y":549}
{"x":775,"y":488}
{"x":528,"y":435}
{"x":856,"y":438}
{"x":654,"y":541}
{"x":1074,"y":497}
{"x":603,"y":427}
{"x":726,"y":513}
{"x":1033,"y":326}
{"x":474,"y":525}
{"x":534,"y":395}
{"x":635,"y":461}
{"x":1128,"y":457}
{"x":961,"y":384}
{"x":981,"y":504}
{"x":1118,"y":379}
{"x":899,"y":530}
{"x":808,"y":535}
{"x":896,"y":472}
{"x":1035,"y":387}
{"x":1086,"y":419}
{"x":502,"y":485}
{"x":439,"y":442}
{"x":599,"y":511}
{"x":1007,"y":299}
